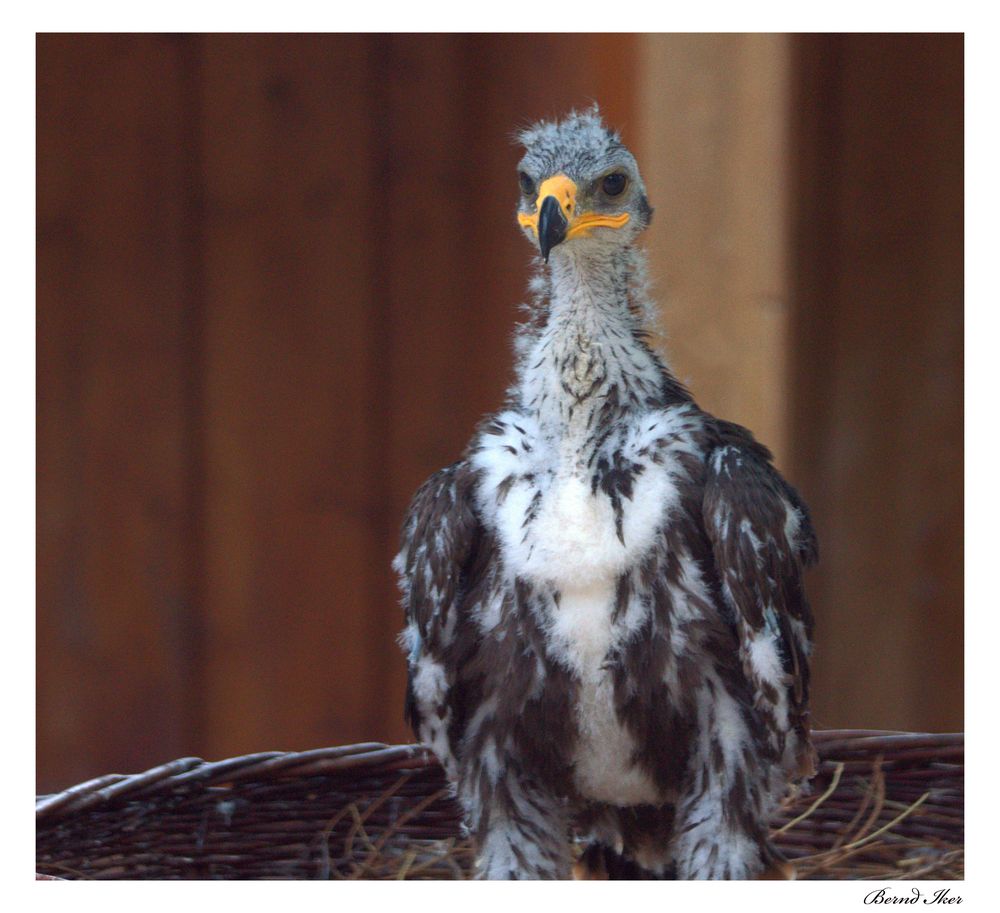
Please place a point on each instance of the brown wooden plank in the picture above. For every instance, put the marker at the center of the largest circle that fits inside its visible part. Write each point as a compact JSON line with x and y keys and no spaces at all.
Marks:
{"x":113,"y":312}
{"x":291,"y":346}
{"x":877,"y":371}
{"x":427,"y":180}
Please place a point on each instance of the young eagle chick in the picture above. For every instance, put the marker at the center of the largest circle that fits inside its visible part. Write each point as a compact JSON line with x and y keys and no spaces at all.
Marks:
{"x":605,"y":624}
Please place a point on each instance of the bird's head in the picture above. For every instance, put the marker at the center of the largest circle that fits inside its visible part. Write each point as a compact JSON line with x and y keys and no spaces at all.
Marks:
{"x":579,"y":184}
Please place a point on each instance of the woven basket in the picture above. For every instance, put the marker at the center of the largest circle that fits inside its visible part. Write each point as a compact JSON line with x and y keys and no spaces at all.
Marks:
{"x":885,"y":805}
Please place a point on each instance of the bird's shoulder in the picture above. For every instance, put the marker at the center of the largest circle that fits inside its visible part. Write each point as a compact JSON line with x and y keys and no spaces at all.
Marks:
{"x":441,"y":515}
{"x":743,"y":483}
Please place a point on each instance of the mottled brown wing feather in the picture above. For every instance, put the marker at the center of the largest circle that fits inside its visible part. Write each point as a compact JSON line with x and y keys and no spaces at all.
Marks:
{"x":761,"y":540}
{"x":440,"y":535}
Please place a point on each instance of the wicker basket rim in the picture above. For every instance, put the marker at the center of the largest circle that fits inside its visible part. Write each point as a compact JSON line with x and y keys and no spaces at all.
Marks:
{"x":846,"y":744}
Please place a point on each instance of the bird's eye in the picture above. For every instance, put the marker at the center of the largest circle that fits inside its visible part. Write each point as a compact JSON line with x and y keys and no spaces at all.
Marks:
{"x":614,"y":184}
{"x":527,"y":185}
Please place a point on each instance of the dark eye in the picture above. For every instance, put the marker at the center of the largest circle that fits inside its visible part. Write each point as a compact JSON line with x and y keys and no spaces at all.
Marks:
{"x":527,"y":185}
{"x":614,"y":184}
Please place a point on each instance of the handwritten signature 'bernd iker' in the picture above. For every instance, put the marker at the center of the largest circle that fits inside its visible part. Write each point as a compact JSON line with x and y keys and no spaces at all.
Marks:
{"x":885,"y":895}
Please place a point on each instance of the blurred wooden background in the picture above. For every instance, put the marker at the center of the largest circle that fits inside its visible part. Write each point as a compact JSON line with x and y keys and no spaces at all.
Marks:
{"x":276,"y":282}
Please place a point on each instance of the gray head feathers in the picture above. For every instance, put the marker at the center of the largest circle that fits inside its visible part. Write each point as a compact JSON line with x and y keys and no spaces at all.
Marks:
{"x":582,"y":147}
{"x":580,"y":138}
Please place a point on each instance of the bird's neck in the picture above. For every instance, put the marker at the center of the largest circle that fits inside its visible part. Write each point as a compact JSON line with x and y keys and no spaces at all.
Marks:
{"x":586,"y":363}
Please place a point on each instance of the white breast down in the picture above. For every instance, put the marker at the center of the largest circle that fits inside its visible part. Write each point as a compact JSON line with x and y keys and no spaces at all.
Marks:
{"x":582,"y":634}
{"x":573,"y":539}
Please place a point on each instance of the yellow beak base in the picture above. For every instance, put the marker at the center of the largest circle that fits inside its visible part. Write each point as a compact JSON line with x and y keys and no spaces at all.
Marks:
{"x":564,"y":190}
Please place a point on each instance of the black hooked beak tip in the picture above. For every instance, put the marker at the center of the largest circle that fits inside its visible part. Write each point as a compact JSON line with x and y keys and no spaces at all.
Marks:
{"x":552,"y":226}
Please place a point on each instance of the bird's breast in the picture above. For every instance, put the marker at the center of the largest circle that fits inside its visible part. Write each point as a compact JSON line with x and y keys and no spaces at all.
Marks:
{"x":570,"y":523}
{"x":572,"y":539}
{"x":582,"y":633}
{"x":566,"y":514}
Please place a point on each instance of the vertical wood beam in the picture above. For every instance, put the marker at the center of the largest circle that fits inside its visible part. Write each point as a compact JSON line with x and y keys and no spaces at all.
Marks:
{"x":713,"y":148}
{"x":289,"y":356}
{"x":877,"y":362}
{"x":113,"y":487}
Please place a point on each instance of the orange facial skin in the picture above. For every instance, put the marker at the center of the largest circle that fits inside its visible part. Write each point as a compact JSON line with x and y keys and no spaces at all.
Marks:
{"x":565,"y":190}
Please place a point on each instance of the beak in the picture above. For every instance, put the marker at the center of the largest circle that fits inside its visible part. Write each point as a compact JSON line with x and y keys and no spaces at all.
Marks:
{"x":555,"y":218}
{"x":552,"y":225}
{"x":553,"y":214}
